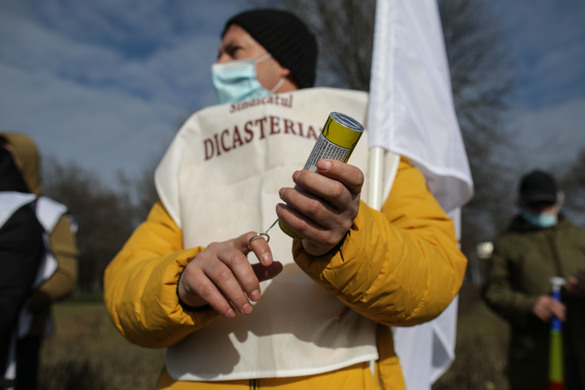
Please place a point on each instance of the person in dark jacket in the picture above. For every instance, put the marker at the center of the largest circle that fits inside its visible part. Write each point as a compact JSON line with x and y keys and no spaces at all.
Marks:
{"x":21,"y":253}
{"x":62,"y":244}
{"x":540,"y":243}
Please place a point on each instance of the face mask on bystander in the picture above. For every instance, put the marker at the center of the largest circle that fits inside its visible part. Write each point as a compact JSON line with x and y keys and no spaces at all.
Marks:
{"x":542,"y":220}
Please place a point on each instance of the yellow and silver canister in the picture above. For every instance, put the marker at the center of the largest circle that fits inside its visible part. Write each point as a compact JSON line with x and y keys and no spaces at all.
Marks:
{"x":337,"y":141}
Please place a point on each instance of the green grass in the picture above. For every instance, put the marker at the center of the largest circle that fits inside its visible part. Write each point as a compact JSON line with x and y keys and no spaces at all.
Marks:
{"x":88,"y":353}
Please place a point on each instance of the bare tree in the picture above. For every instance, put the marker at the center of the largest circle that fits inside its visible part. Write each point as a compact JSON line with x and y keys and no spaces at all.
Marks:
{"x":142,"y":192}
{"x":572,"y":182}
{"x":104,"y":217}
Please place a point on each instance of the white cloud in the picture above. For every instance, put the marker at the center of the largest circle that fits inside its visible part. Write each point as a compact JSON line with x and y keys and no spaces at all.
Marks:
{"x":549,"y":137}
{"x":106,"y":84}
{"x":94,"y":128}
{"x":547,"y":42}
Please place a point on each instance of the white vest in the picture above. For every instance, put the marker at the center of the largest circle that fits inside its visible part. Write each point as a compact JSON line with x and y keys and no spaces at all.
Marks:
{"x":10,"y":202}
{"x":219,"y":179}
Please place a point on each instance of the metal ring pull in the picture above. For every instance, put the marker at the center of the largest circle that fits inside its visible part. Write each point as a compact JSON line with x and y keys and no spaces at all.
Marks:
{"x":265,"y":234}
{"x":256,"y":236}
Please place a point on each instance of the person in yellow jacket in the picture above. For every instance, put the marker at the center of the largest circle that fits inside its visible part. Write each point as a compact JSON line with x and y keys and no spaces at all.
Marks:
{"x":63,"y":246}
{"x":316,"y":315}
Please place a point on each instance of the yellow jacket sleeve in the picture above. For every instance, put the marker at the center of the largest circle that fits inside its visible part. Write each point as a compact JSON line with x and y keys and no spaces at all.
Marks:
{"x":400,"y":266}
{"x":141,"y":281}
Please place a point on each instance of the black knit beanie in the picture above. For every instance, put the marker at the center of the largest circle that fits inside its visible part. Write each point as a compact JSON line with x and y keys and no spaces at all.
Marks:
{"x":285,"y":37}
{"x":538,"y":186}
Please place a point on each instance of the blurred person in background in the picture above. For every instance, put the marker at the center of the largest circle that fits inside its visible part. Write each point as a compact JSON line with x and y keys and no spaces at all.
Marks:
{"x":540,"y":243}
{"x":60,"y":277}
{"x":21,"y":254}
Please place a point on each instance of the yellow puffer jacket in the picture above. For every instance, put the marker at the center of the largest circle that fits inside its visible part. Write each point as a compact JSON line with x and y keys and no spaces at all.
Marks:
{"x":398,"y":267}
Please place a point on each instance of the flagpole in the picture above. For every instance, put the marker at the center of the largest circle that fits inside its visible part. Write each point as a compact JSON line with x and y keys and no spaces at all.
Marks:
{"x":378,"y":105}
{"x":375,"y":175}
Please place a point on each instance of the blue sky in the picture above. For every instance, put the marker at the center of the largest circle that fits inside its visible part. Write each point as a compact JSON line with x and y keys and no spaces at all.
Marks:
{"x":107,"y":84}
{"x":546,"y":42}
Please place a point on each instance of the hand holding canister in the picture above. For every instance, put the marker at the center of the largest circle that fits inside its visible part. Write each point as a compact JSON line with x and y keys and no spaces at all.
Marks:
{"x":321,"y":207}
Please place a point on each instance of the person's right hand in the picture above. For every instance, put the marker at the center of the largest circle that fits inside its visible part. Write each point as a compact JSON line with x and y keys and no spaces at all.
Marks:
{"x":545,"y":306}
{"x":222,"y":277}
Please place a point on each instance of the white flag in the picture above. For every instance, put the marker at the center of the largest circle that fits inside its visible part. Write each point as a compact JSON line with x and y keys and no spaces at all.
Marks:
{"x":411,"y":113}
{"x":411,"y":106}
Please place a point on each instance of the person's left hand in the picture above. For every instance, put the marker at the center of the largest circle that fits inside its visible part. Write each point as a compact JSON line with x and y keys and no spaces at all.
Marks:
{"x":322,"y":210}
{"x":575,"y":285}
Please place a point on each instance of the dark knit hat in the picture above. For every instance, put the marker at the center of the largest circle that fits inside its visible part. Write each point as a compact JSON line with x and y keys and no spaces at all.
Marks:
{"x":284,"y":36}
{"x":538,"y":186}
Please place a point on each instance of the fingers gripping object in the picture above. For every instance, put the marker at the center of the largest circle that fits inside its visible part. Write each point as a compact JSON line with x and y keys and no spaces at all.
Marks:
{"x":337,"y":141}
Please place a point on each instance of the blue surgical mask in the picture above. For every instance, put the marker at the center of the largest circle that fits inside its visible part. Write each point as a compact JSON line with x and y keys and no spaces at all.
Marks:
{"x":235,"y":81}
{"x":542,"y":220}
